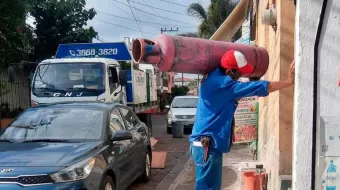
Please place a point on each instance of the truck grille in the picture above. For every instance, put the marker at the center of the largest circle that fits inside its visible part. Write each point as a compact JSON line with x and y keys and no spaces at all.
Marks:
{"x":27,"y":180}
{"x":184,"y":116}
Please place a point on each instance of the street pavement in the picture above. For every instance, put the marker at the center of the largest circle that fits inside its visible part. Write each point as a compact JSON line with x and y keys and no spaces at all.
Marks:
{"x":179,"y":171}
{"x":231,"y":177}
{"x":177,"y":157}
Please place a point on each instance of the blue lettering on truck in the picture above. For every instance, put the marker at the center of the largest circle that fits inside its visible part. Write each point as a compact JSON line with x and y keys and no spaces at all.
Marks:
{"x":117,"y":51}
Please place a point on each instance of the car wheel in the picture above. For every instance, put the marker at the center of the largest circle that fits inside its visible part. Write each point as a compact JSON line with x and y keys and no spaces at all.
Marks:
{"x":108,"y":184}
{"x":146,"y":176}
{"x":168,"y":128}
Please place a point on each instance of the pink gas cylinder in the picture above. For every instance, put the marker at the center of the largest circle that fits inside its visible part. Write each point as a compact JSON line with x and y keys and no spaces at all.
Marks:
{"x":193,"y":55}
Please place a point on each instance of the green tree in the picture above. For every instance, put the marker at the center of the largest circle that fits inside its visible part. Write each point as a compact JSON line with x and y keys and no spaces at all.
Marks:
{"x":179,"y":91}
{"x":193,"y":83}
{"x":60,"y":21}
{"x":126,"y":65}
{"x":15,"y":35}
{"x":212,"y":18}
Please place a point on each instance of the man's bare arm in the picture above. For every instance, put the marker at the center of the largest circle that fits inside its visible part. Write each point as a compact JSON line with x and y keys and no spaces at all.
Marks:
{"x":279,"y":85}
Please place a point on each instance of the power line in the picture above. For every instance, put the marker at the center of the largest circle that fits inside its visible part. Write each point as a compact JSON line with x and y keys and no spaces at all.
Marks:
{"x":149,"y":15}
{"x":99,"y":39}
{"x":155,"y":14}
{"x":143,"y":21}
{"x":149,"y":23}
{"x":127,"y":12}
{"x":175,"y":3}
{"x":137,"y":14}
{"x":103,"y":39}
{"x":135,"y":18}
{"x":152,"y":8}
{"x":120,"y":8}
{"x":161,"y":9}
{"x":122,"y":26}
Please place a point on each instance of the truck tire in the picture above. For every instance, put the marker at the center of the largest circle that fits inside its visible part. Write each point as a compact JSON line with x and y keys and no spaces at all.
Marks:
{"x":146,"y":119}
{"x":149,"y":124}
{"x":168,"y":130}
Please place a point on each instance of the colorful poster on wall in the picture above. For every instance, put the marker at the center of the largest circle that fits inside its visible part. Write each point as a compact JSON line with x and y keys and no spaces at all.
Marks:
{"x":246,"y":120}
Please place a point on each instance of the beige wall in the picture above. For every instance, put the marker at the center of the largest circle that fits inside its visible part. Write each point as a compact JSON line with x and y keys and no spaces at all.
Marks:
{"x":275,"y":117}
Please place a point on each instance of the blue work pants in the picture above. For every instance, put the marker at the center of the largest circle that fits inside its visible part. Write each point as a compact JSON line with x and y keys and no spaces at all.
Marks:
{"x":209,"y":171}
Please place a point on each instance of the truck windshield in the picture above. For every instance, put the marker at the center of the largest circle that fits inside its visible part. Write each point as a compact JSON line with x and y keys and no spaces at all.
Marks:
{"x":85,"y":78}
{"x":184,"y":103}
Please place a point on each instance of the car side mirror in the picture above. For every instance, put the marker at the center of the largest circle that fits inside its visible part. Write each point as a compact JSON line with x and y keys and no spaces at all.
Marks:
{"x":122,"y":78}
{"x":167,"y":107}
{"x":11,"y":74}
{"x":121,"y":135}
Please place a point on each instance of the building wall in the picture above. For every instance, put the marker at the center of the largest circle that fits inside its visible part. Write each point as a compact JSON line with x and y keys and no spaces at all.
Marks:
{"x":171,"y":81}
{"x":179,"y":83}
{"x":275,"y":116}
{"x":308,"y":14}
{"x":17,"y":93}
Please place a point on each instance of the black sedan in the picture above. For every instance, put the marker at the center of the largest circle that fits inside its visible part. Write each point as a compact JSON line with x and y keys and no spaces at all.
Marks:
{"x":74,"y":146}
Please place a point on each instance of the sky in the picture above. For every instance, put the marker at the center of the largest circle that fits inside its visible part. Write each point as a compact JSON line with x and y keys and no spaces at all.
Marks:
{"x":114,"y":19}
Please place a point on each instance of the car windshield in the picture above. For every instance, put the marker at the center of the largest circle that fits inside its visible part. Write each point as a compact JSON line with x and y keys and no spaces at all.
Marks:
{"x":184,"y":103}
{"x":55,"y":124}
{"x":68,"y":77}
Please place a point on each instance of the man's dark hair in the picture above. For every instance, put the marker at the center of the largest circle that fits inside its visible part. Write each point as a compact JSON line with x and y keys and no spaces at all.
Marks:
{"x":223,"y":70}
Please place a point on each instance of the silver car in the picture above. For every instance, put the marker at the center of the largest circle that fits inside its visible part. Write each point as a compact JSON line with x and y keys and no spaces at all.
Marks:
{"x":182,"y":111}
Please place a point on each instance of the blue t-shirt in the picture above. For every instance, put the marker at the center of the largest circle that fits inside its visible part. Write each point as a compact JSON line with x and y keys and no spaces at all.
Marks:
{"x":216,"y":106}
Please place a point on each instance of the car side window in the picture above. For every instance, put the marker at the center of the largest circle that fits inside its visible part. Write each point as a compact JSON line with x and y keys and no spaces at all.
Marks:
{"x":116,"y":121}
{"x":130,"y":117}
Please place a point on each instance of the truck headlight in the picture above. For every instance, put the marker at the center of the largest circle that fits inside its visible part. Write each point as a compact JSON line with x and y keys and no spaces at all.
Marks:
{"x":78,"y":171}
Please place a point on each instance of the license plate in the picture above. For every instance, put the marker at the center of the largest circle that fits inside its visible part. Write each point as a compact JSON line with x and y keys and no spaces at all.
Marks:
{"x":186,"y":123}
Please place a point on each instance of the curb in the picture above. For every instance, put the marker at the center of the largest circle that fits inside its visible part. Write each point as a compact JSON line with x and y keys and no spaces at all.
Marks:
{"x":173,"y":175}
{"x":181,"y":175}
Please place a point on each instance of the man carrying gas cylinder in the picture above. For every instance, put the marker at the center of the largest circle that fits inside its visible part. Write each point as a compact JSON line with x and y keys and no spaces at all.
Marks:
{"x":217,"y":102}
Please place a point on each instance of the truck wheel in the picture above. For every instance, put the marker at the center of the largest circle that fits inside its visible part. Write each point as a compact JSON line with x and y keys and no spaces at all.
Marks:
{"x":149,"y":124}
{"x":146,"y":119}
{"x":168,"y":130}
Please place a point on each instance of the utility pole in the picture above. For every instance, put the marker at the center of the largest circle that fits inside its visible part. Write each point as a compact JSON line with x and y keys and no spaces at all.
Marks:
{"x":168,"y":30}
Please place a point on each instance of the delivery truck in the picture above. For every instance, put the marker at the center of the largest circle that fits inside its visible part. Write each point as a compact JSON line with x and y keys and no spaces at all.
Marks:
{"x":92,"y":72}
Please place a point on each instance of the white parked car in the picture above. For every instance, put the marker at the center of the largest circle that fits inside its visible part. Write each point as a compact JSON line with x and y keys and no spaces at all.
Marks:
{"x":182,"y":111}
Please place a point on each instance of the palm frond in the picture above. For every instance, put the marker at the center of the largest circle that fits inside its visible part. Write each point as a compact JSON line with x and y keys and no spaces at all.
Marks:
{"x":196,"y":9}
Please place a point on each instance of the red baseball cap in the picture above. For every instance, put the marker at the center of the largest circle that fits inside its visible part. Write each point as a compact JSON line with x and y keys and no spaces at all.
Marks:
{"x":236,"y":60}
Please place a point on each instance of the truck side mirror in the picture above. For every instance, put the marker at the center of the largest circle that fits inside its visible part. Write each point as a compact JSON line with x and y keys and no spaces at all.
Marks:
{"x":122,"y":78}
{"x":11,"y":74}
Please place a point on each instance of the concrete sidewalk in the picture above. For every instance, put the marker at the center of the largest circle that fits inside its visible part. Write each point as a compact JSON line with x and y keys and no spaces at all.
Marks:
{"x":231,"y":177}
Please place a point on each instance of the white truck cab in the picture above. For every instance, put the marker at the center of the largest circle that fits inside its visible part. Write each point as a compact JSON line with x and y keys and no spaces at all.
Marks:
{"x":78,"y":79}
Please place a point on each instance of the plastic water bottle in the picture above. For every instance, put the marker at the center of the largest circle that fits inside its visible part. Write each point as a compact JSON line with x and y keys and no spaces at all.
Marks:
{"x":331,"y":176}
